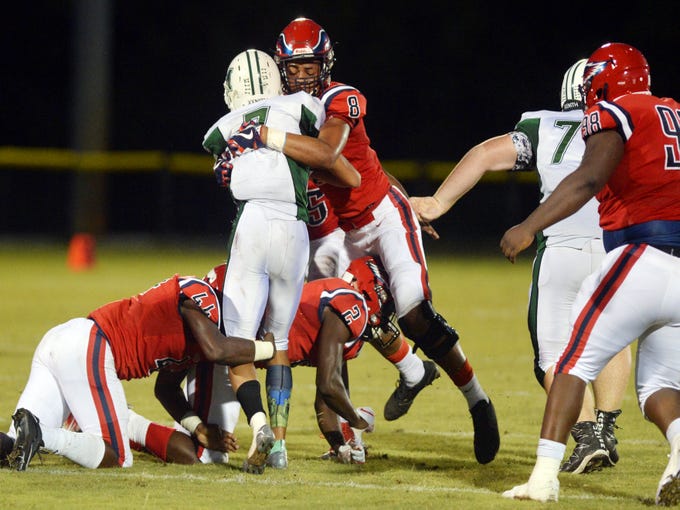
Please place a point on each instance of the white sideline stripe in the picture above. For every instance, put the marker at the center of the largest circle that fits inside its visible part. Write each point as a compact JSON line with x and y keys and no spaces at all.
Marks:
{"x":240,"y":479}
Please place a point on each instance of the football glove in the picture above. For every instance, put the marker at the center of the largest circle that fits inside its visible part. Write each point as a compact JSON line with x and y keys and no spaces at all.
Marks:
{"x":223,"y":168}
{"x":351,"y":453}
{"x":246,"y":139}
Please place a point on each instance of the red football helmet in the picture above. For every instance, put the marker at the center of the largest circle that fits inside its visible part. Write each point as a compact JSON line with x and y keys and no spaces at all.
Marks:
{"x":304,"y":39}
{"x":613,"y":70}
{"x":368,"y":273}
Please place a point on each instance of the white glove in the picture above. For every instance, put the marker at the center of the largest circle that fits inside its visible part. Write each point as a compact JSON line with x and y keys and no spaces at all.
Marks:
{"x":352,"y":454}
{"x":545,"y":490}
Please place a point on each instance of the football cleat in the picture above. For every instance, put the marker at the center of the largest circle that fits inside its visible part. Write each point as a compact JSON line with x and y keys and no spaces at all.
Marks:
{"x":278,"y":456}
{"x":28,"y":441}
{"x":6,"y":446}
{"x":606,"y":423}
{"x":487,"y":441}
{"x":401,"y":400}
{"x":668,"y":492}
{"x":590,"y":453}
{"x":257,"y":456}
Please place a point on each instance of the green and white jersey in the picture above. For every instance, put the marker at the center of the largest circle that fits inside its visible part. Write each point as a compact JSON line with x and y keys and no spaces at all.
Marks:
{"x":265,"y":175}
{"x":551,"y":143}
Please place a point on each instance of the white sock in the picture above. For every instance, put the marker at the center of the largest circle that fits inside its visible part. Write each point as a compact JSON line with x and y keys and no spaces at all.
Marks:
{"x":80,"y":447}
{"x":473,"y":392}
{"x":673,"y":430}
{"x":137,"y":427}
{"x":411,"y":368}
{"x":256,"y":422}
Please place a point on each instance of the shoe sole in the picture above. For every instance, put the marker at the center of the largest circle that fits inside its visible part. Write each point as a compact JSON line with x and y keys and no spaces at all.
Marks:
{"x":22,"y":454}
{"x":590,"y":463}
{"x":255,"y":464}
{"x":669,"y":493}
{"x":487,"y":440}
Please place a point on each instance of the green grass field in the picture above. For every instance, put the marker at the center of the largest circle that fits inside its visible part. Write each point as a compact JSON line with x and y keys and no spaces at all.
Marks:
{"x":423,"y":460}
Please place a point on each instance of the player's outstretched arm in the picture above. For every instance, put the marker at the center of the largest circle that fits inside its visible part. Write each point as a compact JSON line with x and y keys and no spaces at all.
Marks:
{"x":329,"y":380}
{"x":218,"y":348}
{"x":495,"y":154}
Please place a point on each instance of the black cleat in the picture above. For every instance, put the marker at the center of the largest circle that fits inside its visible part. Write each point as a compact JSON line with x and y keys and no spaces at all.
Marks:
{"x":6,"y":446}
{"x":487,"y":440}
{"x":28,"y":441}
{"x":401,"y":400}
{"x":590,"y":453}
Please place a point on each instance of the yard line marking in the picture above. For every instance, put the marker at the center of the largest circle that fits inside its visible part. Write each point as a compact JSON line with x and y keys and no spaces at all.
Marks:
{"x":243,"y":478}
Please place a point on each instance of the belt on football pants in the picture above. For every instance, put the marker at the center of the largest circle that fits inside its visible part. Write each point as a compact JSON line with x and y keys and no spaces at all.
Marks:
{"x":671,"y":250}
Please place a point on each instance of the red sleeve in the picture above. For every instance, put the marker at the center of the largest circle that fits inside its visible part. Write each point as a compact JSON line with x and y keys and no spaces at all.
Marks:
{"x":344,"y":102}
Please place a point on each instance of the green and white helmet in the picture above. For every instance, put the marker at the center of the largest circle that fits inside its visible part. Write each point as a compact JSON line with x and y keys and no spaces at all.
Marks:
{"x":570,"y":93}
{"x":251,"y":77}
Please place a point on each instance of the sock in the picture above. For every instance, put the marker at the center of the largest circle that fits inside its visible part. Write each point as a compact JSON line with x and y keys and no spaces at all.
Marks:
{"x":80,"y":447}
{"x":673,"y":430}
{"x":157,"y":439}
{"x":409,"y":365}
{"x":249,"y":397}
{"x":279,"y":385}
{"x":467,"y":383}
{"x":137,"y":427}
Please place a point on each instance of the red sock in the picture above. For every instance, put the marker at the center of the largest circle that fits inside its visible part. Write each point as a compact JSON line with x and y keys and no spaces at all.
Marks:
{"x":463,"y":375}
{"x":157,"y":439}
{"x":401,"y":353}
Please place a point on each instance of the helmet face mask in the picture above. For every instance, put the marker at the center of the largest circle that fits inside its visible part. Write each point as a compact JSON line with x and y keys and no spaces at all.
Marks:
{"x":613,"y":70}
{"x":252,"y":76}
{"x":303,"y":41}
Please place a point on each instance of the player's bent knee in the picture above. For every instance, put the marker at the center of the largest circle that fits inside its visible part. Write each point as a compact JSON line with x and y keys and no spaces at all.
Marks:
{"x":429,"y":330}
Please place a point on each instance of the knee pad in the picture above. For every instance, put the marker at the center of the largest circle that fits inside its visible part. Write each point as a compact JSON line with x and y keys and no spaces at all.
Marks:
{"x":429,"y":331}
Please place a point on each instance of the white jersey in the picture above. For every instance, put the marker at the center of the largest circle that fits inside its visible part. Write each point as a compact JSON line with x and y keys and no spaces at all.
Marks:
{"x":266,"y":175}
{"x":556,"y":149}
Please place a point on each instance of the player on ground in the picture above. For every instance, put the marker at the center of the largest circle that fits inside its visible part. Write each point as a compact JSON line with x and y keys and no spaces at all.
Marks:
{"x":78,"y":366}
{"x":567,"y":252}
{"x":268,"y":246}
{"x":328,"y":259}
{"x":378,"y":220}
{"x":631,"y":164}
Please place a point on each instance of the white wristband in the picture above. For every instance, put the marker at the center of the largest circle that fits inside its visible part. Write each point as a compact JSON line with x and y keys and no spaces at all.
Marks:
{"x":263,"y":350}
{"x":276,"y":139}
{"x":190,"y":421}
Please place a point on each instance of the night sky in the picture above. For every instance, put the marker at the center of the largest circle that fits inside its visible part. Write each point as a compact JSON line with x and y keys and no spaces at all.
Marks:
{"x":439,"y":77}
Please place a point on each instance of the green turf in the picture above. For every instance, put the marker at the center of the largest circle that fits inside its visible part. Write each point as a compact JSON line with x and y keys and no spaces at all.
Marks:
{"x":423,"y":460}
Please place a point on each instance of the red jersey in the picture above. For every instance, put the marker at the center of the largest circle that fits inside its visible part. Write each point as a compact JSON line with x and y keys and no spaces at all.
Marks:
{"x":322,"y":219}
{"x":316,"y":296}
{"x":645,"y":186}
{"x":353,"y":205}
{"x":146,"y":332}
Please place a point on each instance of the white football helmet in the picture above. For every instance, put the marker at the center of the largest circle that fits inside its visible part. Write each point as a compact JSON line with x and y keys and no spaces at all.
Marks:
{"x":570,"y":93}
{"x":251,"y":77}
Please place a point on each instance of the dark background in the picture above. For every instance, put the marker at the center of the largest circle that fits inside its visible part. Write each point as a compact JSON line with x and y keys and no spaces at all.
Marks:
{"x":439,"y":76}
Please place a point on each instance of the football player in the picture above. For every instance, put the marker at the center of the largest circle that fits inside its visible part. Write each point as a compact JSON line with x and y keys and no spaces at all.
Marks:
{"x":328,"y":258}
{"x":550,"y":143}
{"x":268,"y":245}
{"x":378,"y":220}
{"x":78,"y":367}
{"x":630,"y":163}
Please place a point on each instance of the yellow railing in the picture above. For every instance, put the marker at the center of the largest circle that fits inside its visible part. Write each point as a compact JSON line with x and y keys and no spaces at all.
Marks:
{"x":46,"y":158}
